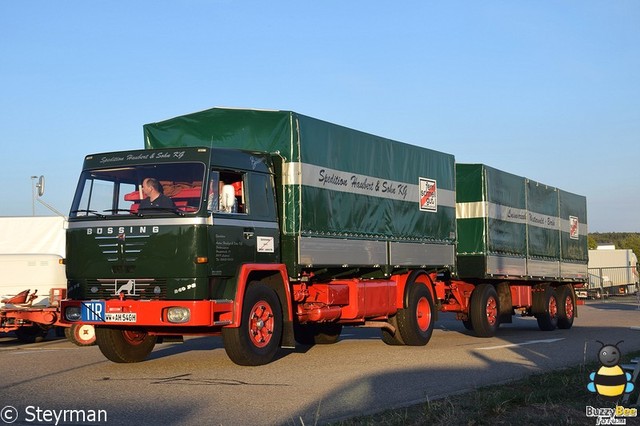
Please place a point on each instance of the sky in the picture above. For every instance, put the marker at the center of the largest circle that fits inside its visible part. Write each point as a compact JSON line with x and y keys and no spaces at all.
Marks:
{"x":549,"y":90}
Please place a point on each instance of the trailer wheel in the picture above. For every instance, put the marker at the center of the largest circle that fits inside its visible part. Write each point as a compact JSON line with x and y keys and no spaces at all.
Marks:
{"x":484,"y":311}
{"x":566,"y":307}
{"x":81,"y":334}
{"x":548,"y":320}
{"x":415,"y":322}
{"x":317,"y":334}
{"x":31,"y":333}
{"x":124,"y":346}
{"x":392,"y":339}
{"x":257,"y":339}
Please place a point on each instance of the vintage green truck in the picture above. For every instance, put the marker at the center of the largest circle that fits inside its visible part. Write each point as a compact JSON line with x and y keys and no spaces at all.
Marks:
{"x":285,"y":228}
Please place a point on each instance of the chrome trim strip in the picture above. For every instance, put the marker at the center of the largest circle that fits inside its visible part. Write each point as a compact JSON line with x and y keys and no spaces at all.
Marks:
{"x":340,"y":252}
{"x":411,"y":254}
{"x":99,"y":223}
{"x":244,"y":223}
{"x":543,"y":268}
{"x":505,"y":265}
{"x":573,"y":270}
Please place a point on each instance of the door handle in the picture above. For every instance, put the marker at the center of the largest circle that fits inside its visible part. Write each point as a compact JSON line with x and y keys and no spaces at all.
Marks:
{"x":248,"y":233}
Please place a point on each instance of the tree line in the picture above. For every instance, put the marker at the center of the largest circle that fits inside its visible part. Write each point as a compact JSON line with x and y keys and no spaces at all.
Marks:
{"x":621,"y":240}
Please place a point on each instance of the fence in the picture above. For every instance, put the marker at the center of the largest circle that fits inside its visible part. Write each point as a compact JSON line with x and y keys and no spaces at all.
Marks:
{"x":615,"y":280}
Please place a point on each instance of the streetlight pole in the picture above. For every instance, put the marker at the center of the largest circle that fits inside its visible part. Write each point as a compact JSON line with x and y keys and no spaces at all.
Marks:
{"x":33,"y":195}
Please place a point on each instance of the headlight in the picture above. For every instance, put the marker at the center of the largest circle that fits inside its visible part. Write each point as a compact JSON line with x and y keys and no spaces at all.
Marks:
{"x":72,"y":313}
{"x":178,"y":315}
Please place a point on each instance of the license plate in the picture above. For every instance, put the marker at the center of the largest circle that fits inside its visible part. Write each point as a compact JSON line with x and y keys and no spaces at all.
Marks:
{"x":120,"y":317}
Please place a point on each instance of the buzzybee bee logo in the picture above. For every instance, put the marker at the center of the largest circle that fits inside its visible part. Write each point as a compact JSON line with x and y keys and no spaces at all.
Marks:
{"x":610,"y":381}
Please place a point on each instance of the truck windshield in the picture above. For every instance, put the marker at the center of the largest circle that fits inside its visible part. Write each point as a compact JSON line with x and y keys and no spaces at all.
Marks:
{"x":119,"y":191}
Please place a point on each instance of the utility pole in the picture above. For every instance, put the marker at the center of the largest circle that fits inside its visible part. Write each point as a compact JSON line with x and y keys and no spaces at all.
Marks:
{"x":33,"y":195}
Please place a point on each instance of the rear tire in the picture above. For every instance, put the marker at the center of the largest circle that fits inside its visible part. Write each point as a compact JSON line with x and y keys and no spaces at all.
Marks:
{"x":484,"y":310}
{"x":124,"y":345}
{"x":548,"y":320}
{"x":416,"y":321}
{"x":257,"y":340}
{"x":566,"y":307}
{"x":31,"y":333}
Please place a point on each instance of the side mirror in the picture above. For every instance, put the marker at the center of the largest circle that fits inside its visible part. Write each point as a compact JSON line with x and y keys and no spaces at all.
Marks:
{"x":40,"y":186}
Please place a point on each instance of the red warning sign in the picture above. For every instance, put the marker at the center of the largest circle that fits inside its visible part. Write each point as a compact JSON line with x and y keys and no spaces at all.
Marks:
{"x":574,"y":228}
{"x":428,"y":195}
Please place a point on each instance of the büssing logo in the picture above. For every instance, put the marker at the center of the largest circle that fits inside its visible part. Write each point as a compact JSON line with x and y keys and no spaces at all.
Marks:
{"x":122,"y":230}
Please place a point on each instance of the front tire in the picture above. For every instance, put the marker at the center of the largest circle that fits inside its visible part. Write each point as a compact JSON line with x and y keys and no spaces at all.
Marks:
{"x":257,"y":340}
{"x":484,"y":310}
{"x":124,"y":345}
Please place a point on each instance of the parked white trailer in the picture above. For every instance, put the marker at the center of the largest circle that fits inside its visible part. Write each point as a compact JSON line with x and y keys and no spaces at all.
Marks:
{"x":613,"y":271}
{"x":31,"y":250}
{"x":38,"y":273}
{"x":34,"y":281}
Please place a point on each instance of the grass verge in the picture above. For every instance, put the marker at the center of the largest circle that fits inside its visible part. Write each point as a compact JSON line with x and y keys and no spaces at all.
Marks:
{"x":555,"y":398}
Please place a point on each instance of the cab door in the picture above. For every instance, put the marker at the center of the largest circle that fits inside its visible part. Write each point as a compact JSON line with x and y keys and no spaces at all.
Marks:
{"x":233,"y":241}
{"x":261,"y":209}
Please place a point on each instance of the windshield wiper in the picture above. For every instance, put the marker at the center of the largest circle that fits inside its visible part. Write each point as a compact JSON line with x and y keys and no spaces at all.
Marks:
{"x":161,"y":209}
{"x":100,"y":215}
{"x":122,"y":210}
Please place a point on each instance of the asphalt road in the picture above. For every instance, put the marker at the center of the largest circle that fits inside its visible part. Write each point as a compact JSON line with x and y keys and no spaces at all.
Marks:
{"x":195,"y":383}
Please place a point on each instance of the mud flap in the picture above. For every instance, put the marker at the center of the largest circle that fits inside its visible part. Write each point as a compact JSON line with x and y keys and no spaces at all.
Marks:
{"x":288,"y":338}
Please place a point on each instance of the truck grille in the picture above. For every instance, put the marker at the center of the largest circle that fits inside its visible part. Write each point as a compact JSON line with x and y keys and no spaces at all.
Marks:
{"x":121,"y":247}
{"x":140,"y":288}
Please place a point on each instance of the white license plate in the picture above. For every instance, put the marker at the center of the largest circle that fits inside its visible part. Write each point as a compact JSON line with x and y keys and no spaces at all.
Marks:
{"x":120,"y":317}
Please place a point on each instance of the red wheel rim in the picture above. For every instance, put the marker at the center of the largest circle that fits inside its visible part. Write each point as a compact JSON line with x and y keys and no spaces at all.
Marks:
{"x":134,"y":337}
{"x":492,"y":311}
{"x":423,"y":314}
{"x":261,"y":324}
{"x":553,"y":307}
{"x":568,"y":307}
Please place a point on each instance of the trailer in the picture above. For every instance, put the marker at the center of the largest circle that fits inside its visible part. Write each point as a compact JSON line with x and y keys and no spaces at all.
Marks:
{"x":31,"y":323}
{"x":612,"y":272}
{"x":283,"y":228}
{"x":33,"y":279}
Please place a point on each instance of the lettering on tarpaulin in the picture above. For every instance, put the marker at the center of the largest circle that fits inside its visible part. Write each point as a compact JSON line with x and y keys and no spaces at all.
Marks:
{"x":363,"y":184}
{"x":516,"y":214}
{"x":331,"y":179}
